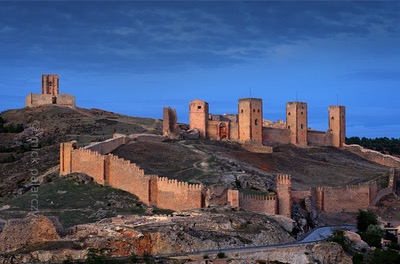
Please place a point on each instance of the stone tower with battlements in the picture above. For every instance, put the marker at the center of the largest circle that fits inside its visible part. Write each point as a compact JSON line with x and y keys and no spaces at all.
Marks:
{"x":296,"y":122}
{"x":250,"y":120}
{"x":50,"y":84}
{"x":283,"y":189}
{"x":198,"y":115}
{"x":337,"y":125}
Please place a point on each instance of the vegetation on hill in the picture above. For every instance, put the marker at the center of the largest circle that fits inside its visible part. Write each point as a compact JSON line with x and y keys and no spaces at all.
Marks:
{"x":11,"y":128}
{"x":73,"y":201}
{"x":383,"y":144}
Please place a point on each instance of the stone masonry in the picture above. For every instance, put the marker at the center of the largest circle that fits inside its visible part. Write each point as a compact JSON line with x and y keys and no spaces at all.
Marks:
{"x":50,"y":94}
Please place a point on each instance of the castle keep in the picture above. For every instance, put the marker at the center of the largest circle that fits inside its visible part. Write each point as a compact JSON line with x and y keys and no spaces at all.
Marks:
{"x":50,"y":94}
{"x":248,"y":125}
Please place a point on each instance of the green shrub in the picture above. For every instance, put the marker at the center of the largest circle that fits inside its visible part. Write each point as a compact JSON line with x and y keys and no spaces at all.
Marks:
{"x":221,"y":255}
{"x":385,"y":256}
{"x":365,"y":219}
{"x":358,"y":258}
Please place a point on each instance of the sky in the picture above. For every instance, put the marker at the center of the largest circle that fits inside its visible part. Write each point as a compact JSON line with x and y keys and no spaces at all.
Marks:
{"x":134,"y":57}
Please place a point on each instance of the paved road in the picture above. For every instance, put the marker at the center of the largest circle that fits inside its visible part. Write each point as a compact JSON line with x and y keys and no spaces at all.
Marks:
{"x":323,"y":233}
{"x":316,"y":235}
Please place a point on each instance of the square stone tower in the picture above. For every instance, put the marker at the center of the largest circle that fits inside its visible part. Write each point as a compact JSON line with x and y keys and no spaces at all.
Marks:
{"x":283,"y":190}
{"x":50,"y":84}
{"x":250,"y":120}
{"x":296,"y":122}
{"x":337,"y":125}
{"x":198,"y":116}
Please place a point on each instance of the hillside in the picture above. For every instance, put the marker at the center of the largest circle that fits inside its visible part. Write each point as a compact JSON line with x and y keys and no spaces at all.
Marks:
{"x":94,"y":215}
{"x":50,"y":125}
{"x":213,"y":162}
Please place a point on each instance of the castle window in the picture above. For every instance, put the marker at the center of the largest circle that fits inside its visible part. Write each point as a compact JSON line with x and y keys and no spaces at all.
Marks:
{"x":258,"y":110}
{"x":301,"y":126}
{"x":256,"y":122}
{"x":254,"y":110}
{"x":332,"y":118}
{"x":199,"y":107}
{"x":241,"y":111}
{"x":301,"y":112}
{"x":289,"y":113}
{"x":288,"y":127}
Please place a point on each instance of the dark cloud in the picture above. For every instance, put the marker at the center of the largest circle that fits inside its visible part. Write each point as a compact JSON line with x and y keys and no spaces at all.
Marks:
{"x":144,"y":35}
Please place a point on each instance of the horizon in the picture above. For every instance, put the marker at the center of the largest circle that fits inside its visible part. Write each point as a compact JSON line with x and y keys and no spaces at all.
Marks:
{"x":134,"y":58}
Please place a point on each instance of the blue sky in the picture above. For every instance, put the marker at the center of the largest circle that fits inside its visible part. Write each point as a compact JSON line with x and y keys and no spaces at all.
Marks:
{"x":134,"y":57}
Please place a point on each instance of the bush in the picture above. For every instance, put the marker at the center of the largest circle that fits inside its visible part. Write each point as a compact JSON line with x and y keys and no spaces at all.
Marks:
{"x":385,"y":256}
{"x":148,"y":259}
{"x":9,"y":159}
{"x":358,"y":258}
{"x":373,"y":236}
{"x":338,"y":237}
{"x":221,"y":255}
{"x":134,"y":258}
{"x":365,"y":219}
{"x":205,"y":256}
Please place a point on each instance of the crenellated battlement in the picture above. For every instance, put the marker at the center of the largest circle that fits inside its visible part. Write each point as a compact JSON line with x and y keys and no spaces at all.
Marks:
{"x":283,"y":179}
{"x":257,"y":197}
{"x":123,"y":174}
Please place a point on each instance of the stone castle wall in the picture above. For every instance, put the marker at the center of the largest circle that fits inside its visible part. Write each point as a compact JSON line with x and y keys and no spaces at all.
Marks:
{"x":122,"y":174}
{"x":319,"y":138}
{"x":33,"y":100}
{"x":276,"y":135}
{"x":176,"y":195}
{"x":374,"y":156}
{"x":258,"y":203}
{"x":108,"y":145}
{"x":89,"y":162}
{"x":345,"y":199}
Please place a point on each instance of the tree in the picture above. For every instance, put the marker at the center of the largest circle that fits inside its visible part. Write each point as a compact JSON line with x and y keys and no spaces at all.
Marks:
{"x":385,"y":256}
{"x":365,"y":219}
{"x":373,"y":235}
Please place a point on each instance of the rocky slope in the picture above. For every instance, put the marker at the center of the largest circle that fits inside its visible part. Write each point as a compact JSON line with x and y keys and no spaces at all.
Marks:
{"x":124,"y":235}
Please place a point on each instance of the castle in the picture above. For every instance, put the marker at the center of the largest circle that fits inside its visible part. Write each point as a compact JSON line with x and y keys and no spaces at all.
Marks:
{"x":50,"y":94}
{"x":248,"y":125}
{"x":108,"y":169}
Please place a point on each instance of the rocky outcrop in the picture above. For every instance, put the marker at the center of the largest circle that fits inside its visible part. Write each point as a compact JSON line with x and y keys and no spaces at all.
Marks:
{"x":30,"y":231}
{"x":124,"y":235}
{"x":330,"y":253}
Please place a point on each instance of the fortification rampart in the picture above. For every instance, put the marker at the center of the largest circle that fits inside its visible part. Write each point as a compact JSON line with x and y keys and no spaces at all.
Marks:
{"x":374,"y":156}
{"x":108,"y":145}
{"x":176,"y":195}
{"x":276,"y":135}
{"x":33,"y":100}
{"x":319,"y":138}
{"x":89,"y":162}
{"x":258,"y":203}
{"x":345,"y":199}
{"x":122,"y":174}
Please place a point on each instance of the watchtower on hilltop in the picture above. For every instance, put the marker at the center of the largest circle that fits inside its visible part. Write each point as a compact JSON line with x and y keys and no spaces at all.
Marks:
{"x":296,"y":122}
{"x":250,"y":120}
